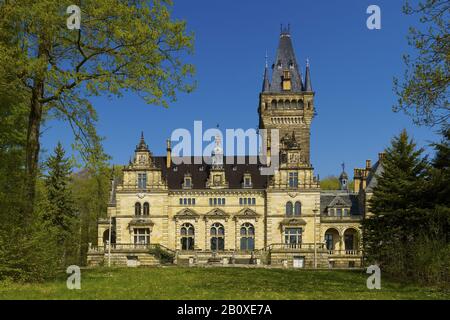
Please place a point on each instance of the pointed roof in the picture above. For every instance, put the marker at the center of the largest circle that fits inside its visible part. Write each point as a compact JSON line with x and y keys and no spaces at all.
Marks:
{"x":142,"y":146}
{"x":285,"y":60}
{"x":266,"y":83}
{"x":308,"y":86}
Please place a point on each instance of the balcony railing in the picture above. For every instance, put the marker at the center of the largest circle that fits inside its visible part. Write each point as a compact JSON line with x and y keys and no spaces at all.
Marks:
{"x":355,"y":252}
{"x":341,"y":218}
{"x":294,"y":246}
{"x":116,"y":247}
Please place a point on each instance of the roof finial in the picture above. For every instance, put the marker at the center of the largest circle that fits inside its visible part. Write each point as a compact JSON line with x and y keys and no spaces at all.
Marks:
{"x":267,"y":62}
{"x":343,"y":166}
{"x":307,"y":62}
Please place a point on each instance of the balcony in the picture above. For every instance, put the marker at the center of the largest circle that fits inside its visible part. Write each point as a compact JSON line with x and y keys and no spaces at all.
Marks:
{"x":126,"y":247}
{"x":341,"y":253}
{"x":351,"y":218}
{"x":296,"y":247}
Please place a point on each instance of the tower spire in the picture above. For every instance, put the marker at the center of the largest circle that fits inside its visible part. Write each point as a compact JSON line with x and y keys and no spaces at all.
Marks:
{"x":285,"y":66}
{"x":266,"y":83}
{"x":142,"y":146}
{"x":308,"y":86}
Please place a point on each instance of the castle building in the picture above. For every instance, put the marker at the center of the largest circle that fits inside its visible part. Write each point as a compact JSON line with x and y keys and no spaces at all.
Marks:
{"x":226,"y":214}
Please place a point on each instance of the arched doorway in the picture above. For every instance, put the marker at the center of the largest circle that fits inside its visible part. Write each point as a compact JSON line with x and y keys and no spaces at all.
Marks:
{"x":332,"y":239}
{"x":106,"y":237}
{"x":350,"y":241}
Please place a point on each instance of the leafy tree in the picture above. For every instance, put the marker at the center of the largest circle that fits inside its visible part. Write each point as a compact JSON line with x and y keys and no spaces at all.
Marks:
{"x":121,"y":46}
{"x":330,"y":183}
{"x":423,"y":93}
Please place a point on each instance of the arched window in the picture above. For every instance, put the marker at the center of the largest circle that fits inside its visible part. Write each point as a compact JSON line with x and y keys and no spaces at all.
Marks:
{"x":298,"y":208}
{"x":187,"y":233}
{"x":287,"y":104}
{"x":289,"y":208}
{"x":247,"y":237}
{"x":137,"y":209}
{"x":146,"y":209}
{"x":217,"y":237}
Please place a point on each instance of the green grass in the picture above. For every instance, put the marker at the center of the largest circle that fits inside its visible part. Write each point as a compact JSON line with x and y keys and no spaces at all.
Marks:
{"x":218,"y":283}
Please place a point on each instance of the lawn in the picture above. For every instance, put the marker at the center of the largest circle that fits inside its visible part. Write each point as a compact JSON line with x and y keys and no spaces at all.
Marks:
{"x":218,"y":283}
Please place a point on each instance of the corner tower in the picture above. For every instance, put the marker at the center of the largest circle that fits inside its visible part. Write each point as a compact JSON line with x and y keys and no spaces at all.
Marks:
{"x":286,"y":101}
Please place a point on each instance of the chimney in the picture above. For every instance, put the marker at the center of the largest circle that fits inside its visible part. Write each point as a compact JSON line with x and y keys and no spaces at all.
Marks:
{"x":356,"y":180}
{"x":368,"y":164}
{"x":381,"y":156}
{"x":169,"y":154}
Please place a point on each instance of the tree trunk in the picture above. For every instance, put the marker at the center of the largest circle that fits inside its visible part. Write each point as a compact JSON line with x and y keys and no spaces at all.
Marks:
{"x":33,"y":145}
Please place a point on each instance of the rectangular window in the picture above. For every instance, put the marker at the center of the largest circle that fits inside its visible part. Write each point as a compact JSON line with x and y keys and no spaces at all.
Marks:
{"x":293,"y":179}
{"x":141,"y":236}
{"x":293,"y":236}
{"x":187,"y":182}
{"x":253,"y":201}
{"x":181,"y":201}
{"x":219,"y":201}
{"x":189,"y":201}
{"x":193,"y":201}
{"x":210,"y":201}
{"x":142,"y":181}
{"x":339,"y":212}
{"x":245,"y":200}
{"x":241,"y":202}
{"x":247,"y":182}
{"x":185,"y":201}
{"x":223,"y":201}
{"x":215,"y":201}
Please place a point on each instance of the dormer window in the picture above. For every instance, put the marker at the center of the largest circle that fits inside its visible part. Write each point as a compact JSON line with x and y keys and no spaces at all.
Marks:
{"x":187,"y":182}
{"x":287,"y":80}
{"x":247,"y":183}
{"x":279,"y":65}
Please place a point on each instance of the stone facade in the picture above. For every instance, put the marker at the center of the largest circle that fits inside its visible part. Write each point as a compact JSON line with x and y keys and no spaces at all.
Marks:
{"x":215,"y":213}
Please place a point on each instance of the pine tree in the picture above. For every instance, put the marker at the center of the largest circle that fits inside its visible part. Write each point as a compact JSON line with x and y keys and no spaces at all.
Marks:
{"x":61,"y":212}
{"x":395,"y":203}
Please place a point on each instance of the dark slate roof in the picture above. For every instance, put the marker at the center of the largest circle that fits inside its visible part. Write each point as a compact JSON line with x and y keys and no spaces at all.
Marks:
{"x":285,"y":56}
{"x":376,"y":171}
{"x":308,"y":86}
{"x":266,"y":83}
{"x":327,"y":197}
{"x":234,"y":173}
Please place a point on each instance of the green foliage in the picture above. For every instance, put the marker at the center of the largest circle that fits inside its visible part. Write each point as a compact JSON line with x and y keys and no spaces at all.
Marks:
{"x":162,"y":255}
{"x":60,"y":212}
{"x":408,"y":234}
{"x":423,"y":93}
{"x":332,"y":183}
{"x":122,"y":46}
{"x":91,"y":194}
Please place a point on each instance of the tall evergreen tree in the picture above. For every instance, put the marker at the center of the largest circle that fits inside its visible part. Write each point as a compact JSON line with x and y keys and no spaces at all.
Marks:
{"x":61,"y":211}
{"x":394,"y":203}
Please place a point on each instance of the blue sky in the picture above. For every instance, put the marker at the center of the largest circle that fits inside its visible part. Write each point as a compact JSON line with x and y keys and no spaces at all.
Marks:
{"x":352,"y":69}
